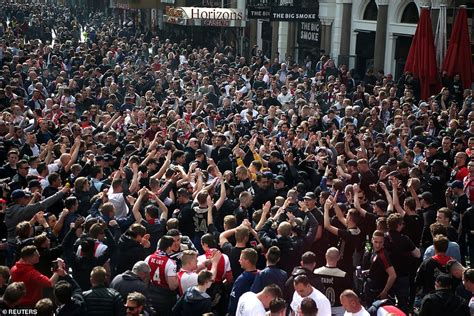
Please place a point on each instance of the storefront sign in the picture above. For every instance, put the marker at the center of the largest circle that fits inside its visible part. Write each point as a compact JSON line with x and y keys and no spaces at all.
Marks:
{"x":173,"y":20}
{"x":258,"y":12}
{"x":175,"y":12}
{"x":293,"y":14}
{"x":215,"y":13}
{"x":258,"y":9}
{"x":219,"y":23}
{"x":221,"y":17}
{"x":294,"y":10}
{"x":174,"y":16}
{"x":309,"y":33}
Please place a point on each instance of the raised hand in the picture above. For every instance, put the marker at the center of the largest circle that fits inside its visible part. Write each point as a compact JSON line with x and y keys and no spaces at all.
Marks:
{"x":266,"y":208}
{"x":209,"y":201}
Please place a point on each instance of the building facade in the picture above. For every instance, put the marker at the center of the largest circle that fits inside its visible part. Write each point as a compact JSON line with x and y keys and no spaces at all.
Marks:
{"x":377,"y":33}
{"x":363,"y":34}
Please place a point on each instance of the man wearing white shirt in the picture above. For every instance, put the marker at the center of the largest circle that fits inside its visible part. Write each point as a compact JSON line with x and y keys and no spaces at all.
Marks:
{"x":284,"y":96}
{"x":351,"y":303}
{"x":253,"y":304}
{"x":304,"y":289}
{"x":116,"y":197}
{"x":248,"y":111}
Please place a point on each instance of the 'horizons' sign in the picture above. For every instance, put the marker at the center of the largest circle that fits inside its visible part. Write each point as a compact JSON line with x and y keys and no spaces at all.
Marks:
{"x":216,"y":14}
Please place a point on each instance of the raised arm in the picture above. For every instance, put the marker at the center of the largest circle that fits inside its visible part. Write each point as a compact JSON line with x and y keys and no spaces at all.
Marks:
{"x":49,"y":152}
{"x":341,"y":168}
{"x":210,"y":218}
{"x":222,"y":196}
{"x":357,"y":206}
{"x":387,"y":195}
{"x":134,"y":185}
{"x":60,"y":223}
{"x":161,"y":205}
{"x":265,"y":211}
{"x":447,"y":194}
{"x":74,"y":153}
{"x":414,"y":195}
{"x":163,"y":168}
{"x":327,"y":223}
{"x":149,"y":155}
{"x":30,"y":210}
{"x":199,"y":182}
{"x":347,"y":150}
{"x":339,"y":214}
{"x":224,"y":236}
{"x":396,"y":202}
{"x":215,"y":258}
{"x":137,"y":204}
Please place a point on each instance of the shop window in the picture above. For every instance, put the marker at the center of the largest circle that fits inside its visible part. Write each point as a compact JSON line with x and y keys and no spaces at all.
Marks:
{"x":371,"y":11}
{"x":410,"y":14}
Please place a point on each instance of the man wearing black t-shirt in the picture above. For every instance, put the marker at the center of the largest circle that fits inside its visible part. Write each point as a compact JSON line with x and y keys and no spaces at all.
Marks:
{"x":369,"y":223}
{"x":320,"y":243}
{"x":185,"y":213}
{"x":429,"y":217}
{"x":413,"y":222}
{"x":241,"y":234}
{"x":458,"y":202}
{"x":403,"y":254}
{"x":349,"y":238}
{"x":381,"y":275}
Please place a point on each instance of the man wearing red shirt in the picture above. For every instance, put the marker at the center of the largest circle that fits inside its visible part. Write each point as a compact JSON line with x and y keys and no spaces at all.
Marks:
{"x":469,"y":182}
{"x":35,"y":282}
{"x":163,"y":277}
{"x":460,"y":170}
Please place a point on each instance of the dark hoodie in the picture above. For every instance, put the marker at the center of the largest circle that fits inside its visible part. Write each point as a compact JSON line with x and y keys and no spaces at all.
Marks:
{"x":128,"y":282}
{"x":224,"y":162}
{"x":129,"y":252}
{"x":83,"y":265}
{"x":429,"y":270}
{"x":291,"y":247}
{"x":313,"y":280}
{"x":443,"y":302}
{"x":193,"y":303}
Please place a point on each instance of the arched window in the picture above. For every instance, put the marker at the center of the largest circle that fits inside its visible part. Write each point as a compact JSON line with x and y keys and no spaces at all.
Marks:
{"x":410,"y":14}
{"x":371,"y":11}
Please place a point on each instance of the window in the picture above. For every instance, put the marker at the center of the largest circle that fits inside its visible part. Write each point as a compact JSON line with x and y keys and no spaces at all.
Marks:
{"x":410,"y":14}
{"x":371,"y":11}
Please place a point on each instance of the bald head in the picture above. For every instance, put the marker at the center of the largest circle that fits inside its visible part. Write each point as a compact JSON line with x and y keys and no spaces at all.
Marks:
{"x":284,"y":229}
{"x":332,"y":256}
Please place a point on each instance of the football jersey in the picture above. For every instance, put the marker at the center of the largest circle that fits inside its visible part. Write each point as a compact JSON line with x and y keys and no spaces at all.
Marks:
{"x":222,"y":267}
{"x":161,"y":267}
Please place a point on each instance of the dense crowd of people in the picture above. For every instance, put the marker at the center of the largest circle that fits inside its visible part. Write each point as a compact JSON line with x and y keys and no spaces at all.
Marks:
{"x":146,"y":176}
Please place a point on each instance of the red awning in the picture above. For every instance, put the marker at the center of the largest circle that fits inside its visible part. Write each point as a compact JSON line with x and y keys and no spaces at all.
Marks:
{"x":458,"y":59}
{"x":421,"y":60}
